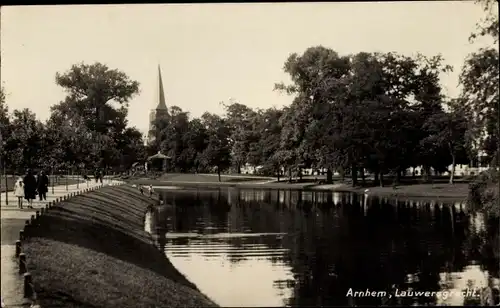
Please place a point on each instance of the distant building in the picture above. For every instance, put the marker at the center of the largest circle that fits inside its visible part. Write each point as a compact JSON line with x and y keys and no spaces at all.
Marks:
{"x":160,"y":112}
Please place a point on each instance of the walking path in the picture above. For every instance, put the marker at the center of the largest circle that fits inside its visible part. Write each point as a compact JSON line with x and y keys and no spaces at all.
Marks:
{"x":12,"y":221}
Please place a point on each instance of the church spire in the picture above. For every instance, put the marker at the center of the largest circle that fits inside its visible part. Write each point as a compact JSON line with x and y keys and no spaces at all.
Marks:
{"x":161,"y":95}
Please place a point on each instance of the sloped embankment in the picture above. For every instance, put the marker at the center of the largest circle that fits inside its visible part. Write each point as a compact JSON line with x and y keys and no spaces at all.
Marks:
{"x":92,"y":251}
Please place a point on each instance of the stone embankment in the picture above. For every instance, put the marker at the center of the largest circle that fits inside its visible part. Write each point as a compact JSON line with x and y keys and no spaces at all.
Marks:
{"x":91,"y":250}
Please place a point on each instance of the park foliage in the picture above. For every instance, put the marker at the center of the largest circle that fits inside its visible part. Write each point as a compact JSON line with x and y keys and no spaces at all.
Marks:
{"x":380,"y":112}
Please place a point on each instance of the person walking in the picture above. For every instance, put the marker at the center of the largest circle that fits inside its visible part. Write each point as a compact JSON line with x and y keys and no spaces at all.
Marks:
{"x":42,"y":185}
{"x":150,"y":189}
{"x":29,"y":182}
{"x":19,"y":192}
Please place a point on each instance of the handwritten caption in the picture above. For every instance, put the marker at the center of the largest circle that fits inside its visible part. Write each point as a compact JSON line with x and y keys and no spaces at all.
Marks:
{"x":410,"y":293}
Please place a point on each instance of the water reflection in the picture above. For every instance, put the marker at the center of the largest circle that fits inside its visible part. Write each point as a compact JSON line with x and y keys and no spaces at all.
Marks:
{"x":301,"y":248}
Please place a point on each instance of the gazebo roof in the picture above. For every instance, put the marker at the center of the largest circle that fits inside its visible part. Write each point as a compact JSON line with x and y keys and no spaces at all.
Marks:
{"x":159,"y":155}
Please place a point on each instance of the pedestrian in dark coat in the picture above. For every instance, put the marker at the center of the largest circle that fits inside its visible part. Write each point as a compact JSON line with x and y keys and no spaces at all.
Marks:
{"x":30,"y":184}
{"x":42,"y":185}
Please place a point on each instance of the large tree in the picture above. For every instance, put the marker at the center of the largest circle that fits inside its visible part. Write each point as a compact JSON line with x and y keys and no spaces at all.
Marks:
{"x":239,"y":118}
{"x":480,"y":81}
{"x":448,"y":129}
{"x":25,"y":134}
{"x":318,"y":79}
{"x":218,"y":149}
{"x":4,"y":129}
{"x":97,"y":101}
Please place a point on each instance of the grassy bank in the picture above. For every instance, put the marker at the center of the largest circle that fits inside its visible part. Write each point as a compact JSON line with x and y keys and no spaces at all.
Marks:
{"x":455,"y":192}
{"x":8,"y":181}
{"x":92,"y":251}
{"x":203,"y":178}
{"x":409,"y":189}
{"x":243,"y":184}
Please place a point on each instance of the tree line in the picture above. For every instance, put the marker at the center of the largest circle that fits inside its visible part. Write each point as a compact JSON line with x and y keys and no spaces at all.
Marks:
{"x":375,"y":112}
{"x":87,"y":130}
{"x":367,"y":112}
{"x":379,"y":112}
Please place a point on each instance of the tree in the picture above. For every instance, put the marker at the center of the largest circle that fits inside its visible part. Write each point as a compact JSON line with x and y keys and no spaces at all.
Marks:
{"x":489,"y":24}
{"x":26,"y":136}
{"x":4,"y":129}
{"x":480,"y":80}
{"x":195,"y":142}
{"x":318,"y":78}
{"x":93,"y":93}
{"x":132,"y":144}
{"x":239,"y":119}
{"x":448,"y":128}
{"x":217,"y":152}
{"x":92,"y":88}
{"x":172,"y":138}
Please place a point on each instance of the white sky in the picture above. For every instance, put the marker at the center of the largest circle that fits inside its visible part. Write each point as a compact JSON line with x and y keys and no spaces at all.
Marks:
{"x":211,"y":52}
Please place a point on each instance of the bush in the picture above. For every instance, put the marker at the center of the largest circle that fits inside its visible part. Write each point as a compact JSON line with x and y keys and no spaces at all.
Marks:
{"x":484,"y":192}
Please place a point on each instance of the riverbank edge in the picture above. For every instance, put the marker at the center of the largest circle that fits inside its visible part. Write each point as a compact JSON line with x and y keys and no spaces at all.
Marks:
{"x":401,"y":192}
{"x":122,"y":214}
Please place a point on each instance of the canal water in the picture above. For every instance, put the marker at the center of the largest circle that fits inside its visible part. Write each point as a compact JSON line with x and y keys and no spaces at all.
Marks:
{"x":253,"y":247}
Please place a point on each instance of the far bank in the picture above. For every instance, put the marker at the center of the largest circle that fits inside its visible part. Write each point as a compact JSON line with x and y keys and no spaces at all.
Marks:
{"x":425,"y":191}
{"x":92,"y":251}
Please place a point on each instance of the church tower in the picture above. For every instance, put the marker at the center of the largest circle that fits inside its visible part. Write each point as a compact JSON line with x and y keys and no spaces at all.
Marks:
{"x":161,"y":110}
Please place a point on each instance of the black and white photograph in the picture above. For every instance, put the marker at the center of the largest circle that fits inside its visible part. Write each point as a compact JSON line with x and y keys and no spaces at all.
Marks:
{"x":250,"y":154}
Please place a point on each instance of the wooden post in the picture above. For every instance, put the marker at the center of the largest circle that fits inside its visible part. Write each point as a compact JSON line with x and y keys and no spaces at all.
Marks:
{"x":67,"y":174}
{"x":77,"y":180}
{"x":22,"y":263}
{"x":28,"y":285}
{"x":21,"y":235}
{"x":6,"y":187}
{"x":42,"y":211}
{"x":37,"y":214}
{"x":32,"y":219}
{"x":1,"y":182}
{"x":52,"y":171}
{"x":18,"y":248}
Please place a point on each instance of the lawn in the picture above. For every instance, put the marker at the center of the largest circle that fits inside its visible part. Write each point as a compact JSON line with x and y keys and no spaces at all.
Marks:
{"x":92,"y":251}
{"x":200,"y":178}
{"x":457,"y":191}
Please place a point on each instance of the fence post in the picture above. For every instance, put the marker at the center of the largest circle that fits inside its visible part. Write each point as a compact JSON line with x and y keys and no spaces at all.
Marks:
{"x":22,"y":263}
{"x":67,"y":174}
{"x":1,"y":187}
{"x":26,"y":228}
{"x":6,"y":187}
{"x":52,"y":182}
{"x":28,"y":289}
{"x":18,"y":248}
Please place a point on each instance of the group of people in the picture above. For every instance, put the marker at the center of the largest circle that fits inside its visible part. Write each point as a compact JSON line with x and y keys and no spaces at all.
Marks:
{"x":29,"y":186}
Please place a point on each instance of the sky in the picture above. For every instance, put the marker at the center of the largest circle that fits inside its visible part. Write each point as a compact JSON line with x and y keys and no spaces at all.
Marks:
{"x":210,"y":53}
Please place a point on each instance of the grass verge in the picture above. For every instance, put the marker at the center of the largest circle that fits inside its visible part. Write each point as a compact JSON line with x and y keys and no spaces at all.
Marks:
{"x":92,"y":251}
{"x":455,"y":192}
